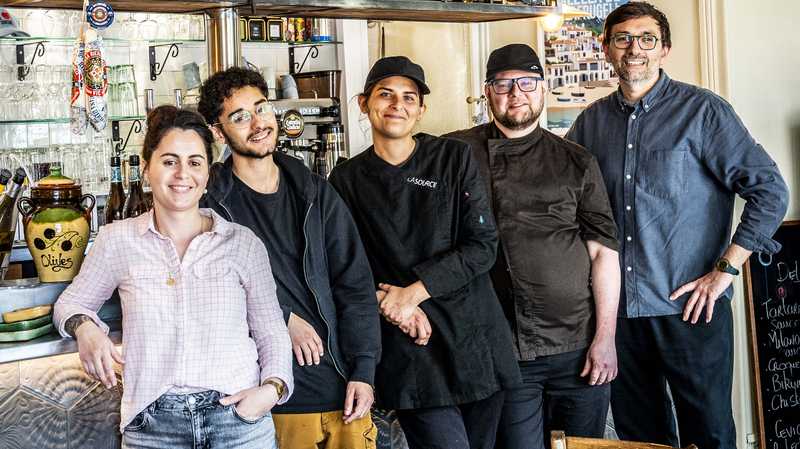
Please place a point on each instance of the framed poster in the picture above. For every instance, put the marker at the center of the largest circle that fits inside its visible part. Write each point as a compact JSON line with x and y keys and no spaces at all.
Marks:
{"x":576,"y":70}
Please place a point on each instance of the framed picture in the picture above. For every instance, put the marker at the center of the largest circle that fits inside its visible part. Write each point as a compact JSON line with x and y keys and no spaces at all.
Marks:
{"x":576,"y":70}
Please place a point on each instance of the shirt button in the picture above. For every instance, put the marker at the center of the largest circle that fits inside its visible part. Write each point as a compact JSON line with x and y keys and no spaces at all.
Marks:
{"x":633,"y":116}
{"x":630,"y":238}
{"x":646,"y":106}
{"x":627,"y":176}
{"x":627,"y":208}
{"x":192,"y":400}
{"x":630,"y":145}
{"x":629,"y":268}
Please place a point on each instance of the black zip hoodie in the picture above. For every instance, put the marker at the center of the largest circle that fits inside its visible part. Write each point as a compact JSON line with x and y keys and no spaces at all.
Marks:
{"x":336,"y":268}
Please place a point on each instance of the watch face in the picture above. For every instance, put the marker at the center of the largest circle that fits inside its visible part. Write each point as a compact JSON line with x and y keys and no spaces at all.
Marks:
{"x":722,"y":264}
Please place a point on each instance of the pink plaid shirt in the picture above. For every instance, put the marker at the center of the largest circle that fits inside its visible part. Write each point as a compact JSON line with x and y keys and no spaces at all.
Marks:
{"x":218,"y":326}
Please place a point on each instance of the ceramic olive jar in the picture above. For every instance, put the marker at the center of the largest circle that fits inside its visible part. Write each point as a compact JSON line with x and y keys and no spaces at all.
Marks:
{"x":56,"y":217}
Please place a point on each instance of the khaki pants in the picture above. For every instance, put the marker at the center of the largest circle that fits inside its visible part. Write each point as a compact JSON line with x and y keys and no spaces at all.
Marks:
{"x":324,"y":431}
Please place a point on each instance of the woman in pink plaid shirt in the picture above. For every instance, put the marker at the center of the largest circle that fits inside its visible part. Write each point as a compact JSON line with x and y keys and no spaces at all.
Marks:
{"x":207,"y":352}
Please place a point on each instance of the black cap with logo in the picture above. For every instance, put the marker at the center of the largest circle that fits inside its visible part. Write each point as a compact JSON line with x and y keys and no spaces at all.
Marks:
{"x":397,"y":66}
{"x":513,"y":57}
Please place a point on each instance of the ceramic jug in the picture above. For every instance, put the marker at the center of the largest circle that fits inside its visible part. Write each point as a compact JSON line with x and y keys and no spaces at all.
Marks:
{"x":56,"y":218}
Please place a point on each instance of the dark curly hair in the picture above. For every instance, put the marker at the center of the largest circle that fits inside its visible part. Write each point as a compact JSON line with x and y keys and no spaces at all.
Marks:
{"x":220,"y":86}
{"x":634,"y":10}
{"x":166,"y":118}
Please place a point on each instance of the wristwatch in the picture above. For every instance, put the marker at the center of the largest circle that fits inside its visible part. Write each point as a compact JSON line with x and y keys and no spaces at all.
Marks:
{"x":725,"y":266}
{"x":279,"y":386}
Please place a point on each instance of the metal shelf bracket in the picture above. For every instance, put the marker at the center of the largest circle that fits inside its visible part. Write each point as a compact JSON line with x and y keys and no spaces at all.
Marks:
{"x":119,"y":144}
{"x":155,"y":67}
{"x":313,"y":53}
{"x":24,"y":70}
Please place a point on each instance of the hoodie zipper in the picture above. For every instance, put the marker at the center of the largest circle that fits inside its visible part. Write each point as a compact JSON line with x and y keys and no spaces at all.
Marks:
{"x":314,"y":294}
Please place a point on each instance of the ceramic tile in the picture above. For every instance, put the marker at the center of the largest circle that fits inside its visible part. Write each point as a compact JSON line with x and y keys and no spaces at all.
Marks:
{"x":29,"y":421}
{"x":59,"y":378}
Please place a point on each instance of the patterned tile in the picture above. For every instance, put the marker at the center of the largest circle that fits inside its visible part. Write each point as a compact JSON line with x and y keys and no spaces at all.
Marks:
{"x":9,"y":379}
{"x":59,"y":378}
{"x":29,"y":421}
{"x":390,"y":434}
{"x":94,"y":420}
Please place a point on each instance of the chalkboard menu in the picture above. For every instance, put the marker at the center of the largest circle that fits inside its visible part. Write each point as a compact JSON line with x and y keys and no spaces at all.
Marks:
{"x":773,"y":287}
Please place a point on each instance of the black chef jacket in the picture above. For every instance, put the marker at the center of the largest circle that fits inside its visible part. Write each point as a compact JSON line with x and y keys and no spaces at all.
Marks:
{"x":430,"y":220}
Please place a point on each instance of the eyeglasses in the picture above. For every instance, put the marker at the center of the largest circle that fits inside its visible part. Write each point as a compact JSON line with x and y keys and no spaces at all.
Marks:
{"x":243,"y":118}
{"x":503,"y":86}
{"x":623,"y":41}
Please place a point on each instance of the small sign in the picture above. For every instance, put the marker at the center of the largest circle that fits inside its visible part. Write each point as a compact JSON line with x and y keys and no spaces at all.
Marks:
{"x":292,"y":123}
{"x":100,"y":15}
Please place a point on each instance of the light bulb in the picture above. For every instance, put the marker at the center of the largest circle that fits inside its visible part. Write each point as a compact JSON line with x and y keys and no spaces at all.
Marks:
{"x":552,"y":22}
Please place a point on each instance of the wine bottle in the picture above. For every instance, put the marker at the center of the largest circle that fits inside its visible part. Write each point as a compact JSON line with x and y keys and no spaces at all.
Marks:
{"x":8,"y":218}
{"x":135,"y":204}
{"x":5,"y":176}
{"x":116,"y":197}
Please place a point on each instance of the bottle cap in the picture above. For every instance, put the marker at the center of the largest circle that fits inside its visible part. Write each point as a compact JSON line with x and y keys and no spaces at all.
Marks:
{"x":134,"y":159}
{"x":19,"y":176}
{"x":5,"y":175}
{"x":115,"y":162}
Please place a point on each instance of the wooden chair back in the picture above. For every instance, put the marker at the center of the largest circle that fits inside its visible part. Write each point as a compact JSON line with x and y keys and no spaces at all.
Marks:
{"x":560,"y":441}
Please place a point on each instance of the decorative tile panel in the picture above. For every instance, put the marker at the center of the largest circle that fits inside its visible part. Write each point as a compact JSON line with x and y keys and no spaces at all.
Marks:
{"x":60,"y":378}
{"x":31,"y":422}
{"x":9,"y":379}
{"x":94,"y":419}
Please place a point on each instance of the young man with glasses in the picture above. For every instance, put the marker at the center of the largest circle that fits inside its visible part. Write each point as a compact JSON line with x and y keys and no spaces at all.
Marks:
{"x":673,"y":157}
{"x":323,"y":278}
{"x":557,"y":270}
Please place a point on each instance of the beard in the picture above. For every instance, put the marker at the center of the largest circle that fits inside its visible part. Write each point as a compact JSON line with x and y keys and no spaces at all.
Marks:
{"x":241,"y":150}
{"x":517,"y":123}
{"x":642,"y":77}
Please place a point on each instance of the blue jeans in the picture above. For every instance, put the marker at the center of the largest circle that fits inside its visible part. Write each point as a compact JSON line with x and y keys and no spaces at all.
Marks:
{"x":197,"y":421}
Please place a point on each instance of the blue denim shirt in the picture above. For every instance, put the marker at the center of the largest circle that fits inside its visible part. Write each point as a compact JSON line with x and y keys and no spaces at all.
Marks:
{"x":672,"y":164}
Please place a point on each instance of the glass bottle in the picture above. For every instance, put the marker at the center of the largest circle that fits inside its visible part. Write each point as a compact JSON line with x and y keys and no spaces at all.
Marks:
{"x":135,"y":204}
{"x":116,"y":197}
{"x":5,"y":176}
{"x":8,"y":218}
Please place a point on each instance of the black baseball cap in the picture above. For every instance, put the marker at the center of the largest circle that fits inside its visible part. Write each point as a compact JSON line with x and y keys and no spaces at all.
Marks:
{"x":513,"y":57}
{"x":397,"y":66}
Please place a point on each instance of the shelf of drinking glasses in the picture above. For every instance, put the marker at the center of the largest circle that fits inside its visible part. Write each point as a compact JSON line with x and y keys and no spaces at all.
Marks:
{"x":111,"y":41}
{"x":66,"y":120}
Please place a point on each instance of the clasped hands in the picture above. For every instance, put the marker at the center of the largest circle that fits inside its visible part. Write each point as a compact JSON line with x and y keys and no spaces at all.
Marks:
{"x":400,"y":306}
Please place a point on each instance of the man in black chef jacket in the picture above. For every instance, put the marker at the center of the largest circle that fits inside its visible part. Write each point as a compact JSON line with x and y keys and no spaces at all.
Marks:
{"x":557,"y":270}
{"x":324,"y":283}
{"x":425,"y":220}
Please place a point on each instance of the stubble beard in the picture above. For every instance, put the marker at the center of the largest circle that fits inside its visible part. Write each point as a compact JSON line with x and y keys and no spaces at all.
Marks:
{"x":248,"y":153}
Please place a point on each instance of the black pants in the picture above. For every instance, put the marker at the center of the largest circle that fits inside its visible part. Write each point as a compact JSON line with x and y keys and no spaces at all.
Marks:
{"x":465,"y":426}
{"x":696,"y":361}
{"x":553,"y":397}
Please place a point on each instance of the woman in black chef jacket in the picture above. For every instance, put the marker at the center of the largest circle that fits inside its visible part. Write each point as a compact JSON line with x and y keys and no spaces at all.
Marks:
{"x":425,"y":220}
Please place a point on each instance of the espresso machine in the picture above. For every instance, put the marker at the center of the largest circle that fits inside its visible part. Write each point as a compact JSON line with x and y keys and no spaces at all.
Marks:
{"x":311,"y":130}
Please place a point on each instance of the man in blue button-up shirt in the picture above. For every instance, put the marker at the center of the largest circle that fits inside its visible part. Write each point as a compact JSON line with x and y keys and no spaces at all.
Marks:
{"x":673,"y":157}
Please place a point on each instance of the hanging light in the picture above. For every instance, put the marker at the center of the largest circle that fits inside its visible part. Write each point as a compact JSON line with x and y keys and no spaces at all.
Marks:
{"x":552,"y":22}
{"x":555,"y":20}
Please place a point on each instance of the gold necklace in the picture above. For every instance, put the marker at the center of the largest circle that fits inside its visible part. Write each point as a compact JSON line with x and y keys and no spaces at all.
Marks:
{"x":205,"y":226}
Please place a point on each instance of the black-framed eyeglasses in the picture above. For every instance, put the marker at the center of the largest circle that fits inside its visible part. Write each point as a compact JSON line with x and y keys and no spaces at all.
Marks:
{"x":504,"y":85}
{"x":623,"y":41}
{"x":243,"y":118}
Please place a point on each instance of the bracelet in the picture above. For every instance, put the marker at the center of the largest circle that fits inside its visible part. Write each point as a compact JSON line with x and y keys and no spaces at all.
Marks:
{"x":280,"y":388}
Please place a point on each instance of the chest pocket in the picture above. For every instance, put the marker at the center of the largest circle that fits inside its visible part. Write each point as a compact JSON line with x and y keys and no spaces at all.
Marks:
{"x":663,"y":173}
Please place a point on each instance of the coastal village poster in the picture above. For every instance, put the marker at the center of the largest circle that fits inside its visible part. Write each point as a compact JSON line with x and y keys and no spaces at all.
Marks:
{"x":576,"y":70}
